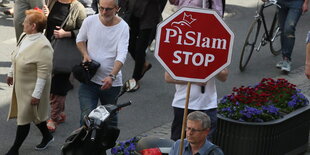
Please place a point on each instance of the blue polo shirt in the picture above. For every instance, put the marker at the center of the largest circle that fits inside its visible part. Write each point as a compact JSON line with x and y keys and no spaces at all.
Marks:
{"x":206,"y":149}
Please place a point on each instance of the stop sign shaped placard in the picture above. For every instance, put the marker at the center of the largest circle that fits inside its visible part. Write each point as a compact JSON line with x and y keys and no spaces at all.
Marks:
{"x":194,"y":44}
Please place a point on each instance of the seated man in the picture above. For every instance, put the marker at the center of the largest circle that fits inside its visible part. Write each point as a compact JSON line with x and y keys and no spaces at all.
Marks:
{"x":196,"y":143}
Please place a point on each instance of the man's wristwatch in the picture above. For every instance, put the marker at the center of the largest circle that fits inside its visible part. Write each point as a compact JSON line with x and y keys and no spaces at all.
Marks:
{"x":113,"y":77}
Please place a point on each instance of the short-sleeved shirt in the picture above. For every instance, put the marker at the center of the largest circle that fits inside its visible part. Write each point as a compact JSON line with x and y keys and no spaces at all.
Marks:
{"x":197,"y":99}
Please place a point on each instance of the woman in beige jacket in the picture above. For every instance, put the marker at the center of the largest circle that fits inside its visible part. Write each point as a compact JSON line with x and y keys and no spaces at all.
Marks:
{"x":30,"y":76}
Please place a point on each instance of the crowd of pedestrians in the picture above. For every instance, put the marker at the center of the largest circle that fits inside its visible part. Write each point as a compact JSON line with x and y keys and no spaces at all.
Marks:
{"x":106,"y":31}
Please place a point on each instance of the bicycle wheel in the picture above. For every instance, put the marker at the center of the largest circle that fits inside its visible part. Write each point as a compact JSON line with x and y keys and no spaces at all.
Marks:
{"x":275,"y":42}
{"x":249,"y":44}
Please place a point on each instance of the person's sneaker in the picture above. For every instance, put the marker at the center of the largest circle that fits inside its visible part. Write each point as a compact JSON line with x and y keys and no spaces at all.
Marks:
{"x":286,"y":66}
{"x":280,"y":64}
{"x":44,"y":144}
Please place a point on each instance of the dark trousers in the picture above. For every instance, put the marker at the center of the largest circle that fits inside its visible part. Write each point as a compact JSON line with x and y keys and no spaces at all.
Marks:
{"x":176,"y":128}
{"x":138,"y":42}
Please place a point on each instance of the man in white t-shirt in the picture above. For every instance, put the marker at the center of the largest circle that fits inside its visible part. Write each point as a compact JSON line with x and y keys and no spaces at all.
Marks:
{"x":104,"y":38}
{"x":203,"y":97}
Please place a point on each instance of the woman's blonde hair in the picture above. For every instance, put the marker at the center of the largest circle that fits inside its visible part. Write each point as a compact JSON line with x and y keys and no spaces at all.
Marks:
{"x":37,"y":17}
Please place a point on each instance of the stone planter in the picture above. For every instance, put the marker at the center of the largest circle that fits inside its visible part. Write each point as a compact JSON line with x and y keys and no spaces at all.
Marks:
{"x":288,"y":135}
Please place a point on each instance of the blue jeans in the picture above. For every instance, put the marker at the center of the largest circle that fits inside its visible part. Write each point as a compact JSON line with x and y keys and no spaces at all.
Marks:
{"x":289,"y":14}
{"x":90,"y":93}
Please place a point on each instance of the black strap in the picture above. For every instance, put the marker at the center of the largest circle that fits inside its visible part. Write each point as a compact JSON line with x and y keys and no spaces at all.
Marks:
{"x":21,"y":38}
{"x":65,"y":21}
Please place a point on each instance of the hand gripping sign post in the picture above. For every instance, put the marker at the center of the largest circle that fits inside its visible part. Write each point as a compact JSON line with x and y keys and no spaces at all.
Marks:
{"x":193,"y":45}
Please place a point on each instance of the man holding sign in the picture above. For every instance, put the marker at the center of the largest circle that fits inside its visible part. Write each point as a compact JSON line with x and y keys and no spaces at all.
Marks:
{"x":203,"y":97}
{"x":197,"y":129}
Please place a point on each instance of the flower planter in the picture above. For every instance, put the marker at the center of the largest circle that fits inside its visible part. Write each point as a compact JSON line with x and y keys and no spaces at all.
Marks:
{"x":288,"y":135}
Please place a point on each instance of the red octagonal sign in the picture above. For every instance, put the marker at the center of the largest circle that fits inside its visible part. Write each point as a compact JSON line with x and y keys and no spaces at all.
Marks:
{"x":194,"y":44}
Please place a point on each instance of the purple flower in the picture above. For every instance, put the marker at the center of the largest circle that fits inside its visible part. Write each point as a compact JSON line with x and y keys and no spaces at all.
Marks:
{"x":126,"y":147}
{"x":114,"y":150}
{"x":131,"y":147}
{"x":250,"y":111}
{"x":271,"y":109}
{"x":263,"y":101}
{"x":126,"y":152}
{"x":226,"y":109}
{"x":291,"y":103}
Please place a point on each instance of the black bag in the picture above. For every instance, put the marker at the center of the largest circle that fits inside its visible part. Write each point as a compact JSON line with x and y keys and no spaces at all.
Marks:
{"x":85,"y":71}
{"x":66,"y":55}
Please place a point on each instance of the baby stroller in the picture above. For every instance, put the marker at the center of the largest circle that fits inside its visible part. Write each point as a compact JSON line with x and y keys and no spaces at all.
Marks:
{"x":96,"y":135}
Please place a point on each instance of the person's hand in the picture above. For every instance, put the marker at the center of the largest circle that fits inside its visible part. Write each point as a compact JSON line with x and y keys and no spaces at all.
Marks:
{"x":35,"y":101}
{"x":106,"y":83}
{"x":222,"y":75}
{"x":304,"y":8}
{"x":86,"y":58}
{"x":46,"y":11}
{"x":9,"y":80}
{"x":59,"y":32}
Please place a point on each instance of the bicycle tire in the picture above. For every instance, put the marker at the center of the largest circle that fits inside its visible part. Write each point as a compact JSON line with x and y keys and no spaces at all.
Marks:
{"x":249,"y":45}
{"x":275,"y":45}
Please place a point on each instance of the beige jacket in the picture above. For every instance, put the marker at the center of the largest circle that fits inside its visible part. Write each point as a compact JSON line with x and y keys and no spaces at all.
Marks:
{"x":33,"y":62}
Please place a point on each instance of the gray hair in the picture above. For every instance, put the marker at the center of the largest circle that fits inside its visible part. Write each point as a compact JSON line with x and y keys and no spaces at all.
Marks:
{"x":202,"y":117}
{"x":115,"y":2}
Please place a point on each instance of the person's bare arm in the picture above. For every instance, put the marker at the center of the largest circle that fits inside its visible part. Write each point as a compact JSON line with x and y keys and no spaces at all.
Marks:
{"x":169,"y":79}
{"x":307,"y":65}
{"x":83,"y":49}
{"x":222,"y":76}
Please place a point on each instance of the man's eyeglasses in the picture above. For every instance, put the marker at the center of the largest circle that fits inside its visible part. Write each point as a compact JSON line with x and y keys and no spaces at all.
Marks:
{"x":106,"y":9}
{"x":194,"y":130}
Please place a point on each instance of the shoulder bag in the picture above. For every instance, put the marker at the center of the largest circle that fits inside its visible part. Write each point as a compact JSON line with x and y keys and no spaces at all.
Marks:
{"x":66,"y":53}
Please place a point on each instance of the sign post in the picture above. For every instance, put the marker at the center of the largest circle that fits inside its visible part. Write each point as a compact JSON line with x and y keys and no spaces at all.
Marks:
{"x":193,"y":45}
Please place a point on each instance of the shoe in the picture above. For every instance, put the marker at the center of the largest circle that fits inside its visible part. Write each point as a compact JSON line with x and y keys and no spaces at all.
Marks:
{"x":44,"y":144}
{"x":279,"y":64}
{"x":132,"y":85}
{"x":286,"y":66}
{"x":51,"y":125}
{"x":135,"y":88}
{"x":62,"y":118}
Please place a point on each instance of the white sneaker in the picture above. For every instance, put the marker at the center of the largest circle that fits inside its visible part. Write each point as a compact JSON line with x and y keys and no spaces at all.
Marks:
{"x":279,"y":64}
{"x":286,"y":66}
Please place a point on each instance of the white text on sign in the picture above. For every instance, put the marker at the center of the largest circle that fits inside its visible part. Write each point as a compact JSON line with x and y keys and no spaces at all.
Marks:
{"x":192,"y":38}
{"x":197,"y":59}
